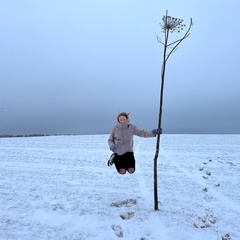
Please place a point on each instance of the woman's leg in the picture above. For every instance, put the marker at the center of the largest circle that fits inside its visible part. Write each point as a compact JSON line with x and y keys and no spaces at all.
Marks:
{"x":131,"y":170}
{"x":122,"y":171}
{"x":130,"y":163}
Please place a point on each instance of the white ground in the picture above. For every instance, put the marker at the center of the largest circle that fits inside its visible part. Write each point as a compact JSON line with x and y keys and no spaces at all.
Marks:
{"x":60,"y":187}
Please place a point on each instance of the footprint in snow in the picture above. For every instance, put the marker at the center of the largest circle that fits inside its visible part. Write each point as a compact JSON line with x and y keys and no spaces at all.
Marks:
{"x":127,"y":216}
{"x":117,"y":230}
{"x":210,"y":160}
{"x":208,"y":173}
{"x":126,"y":203}
{"x":226,"y":237}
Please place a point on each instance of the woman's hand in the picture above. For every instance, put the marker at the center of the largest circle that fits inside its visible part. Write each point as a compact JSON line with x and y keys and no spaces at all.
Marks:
{"x":114,"y":148}
{"x":157,"y":131}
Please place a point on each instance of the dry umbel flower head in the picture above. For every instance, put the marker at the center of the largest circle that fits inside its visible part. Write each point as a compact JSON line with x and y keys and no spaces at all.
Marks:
{"x":172,"y":24}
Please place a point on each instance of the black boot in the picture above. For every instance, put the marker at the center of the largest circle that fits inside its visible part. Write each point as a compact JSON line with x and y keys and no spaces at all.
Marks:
{"x":111,"y":160}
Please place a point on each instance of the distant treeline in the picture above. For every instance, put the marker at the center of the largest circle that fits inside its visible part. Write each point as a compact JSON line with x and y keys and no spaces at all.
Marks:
{"x":28,"y":135}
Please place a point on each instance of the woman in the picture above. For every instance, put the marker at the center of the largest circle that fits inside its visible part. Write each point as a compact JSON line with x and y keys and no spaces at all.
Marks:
{"x":121,"y":143}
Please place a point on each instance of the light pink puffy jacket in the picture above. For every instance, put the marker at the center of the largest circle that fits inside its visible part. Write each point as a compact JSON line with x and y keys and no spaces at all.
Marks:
{"x":122,"y":136}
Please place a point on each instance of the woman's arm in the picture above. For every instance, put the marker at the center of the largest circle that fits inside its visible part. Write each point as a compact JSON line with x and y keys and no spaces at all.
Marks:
{"x":111,"y":139}
{"x":142,"y":132}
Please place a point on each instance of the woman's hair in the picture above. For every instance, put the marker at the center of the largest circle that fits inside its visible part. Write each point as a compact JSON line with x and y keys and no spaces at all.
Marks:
{"x":125,"y":114}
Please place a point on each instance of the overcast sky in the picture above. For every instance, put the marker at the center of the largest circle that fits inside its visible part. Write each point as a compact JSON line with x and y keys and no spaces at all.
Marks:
{"x":69,"y":66}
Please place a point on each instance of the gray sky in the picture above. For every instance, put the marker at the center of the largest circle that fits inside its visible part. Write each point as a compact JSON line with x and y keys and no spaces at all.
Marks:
{"x":71,"y":66}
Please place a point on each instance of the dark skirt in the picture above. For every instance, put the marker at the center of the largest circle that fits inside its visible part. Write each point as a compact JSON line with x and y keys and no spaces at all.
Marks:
{"x":125,"y":161}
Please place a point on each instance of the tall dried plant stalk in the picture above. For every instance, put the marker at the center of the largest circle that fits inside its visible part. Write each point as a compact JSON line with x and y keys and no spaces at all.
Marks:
{"x":169,"y":25}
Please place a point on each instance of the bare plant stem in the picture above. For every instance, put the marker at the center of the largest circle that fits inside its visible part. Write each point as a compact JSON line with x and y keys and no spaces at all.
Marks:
{"x":165,"y":58}
{"x":159,"y":124}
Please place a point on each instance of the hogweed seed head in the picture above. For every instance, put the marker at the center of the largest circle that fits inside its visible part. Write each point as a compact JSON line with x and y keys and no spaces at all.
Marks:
{"x":172,"y":24}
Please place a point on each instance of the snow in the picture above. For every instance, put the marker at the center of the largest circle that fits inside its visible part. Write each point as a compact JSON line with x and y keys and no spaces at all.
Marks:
{"x":60,"y":187}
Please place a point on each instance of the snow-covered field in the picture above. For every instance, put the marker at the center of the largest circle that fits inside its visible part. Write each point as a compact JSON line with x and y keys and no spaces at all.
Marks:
{"x":59,"y":187}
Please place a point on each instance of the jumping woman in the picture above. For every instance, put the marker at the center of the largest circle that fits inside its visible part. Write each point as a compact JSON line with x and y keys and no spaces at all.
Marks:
{"x":121,"y":143}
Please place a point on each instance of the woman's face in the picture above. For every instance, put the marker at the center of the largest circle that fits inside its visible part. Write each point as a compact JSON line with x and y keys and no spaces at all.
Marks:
{"x":122,"y":119}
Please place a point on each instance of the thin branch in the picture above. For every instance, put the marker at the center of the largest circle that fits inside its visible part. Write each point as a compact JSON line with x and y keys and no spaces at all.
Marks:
{"x":159,"y":40}
{"x":180,"y":40}
{"x":173,"y":51}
